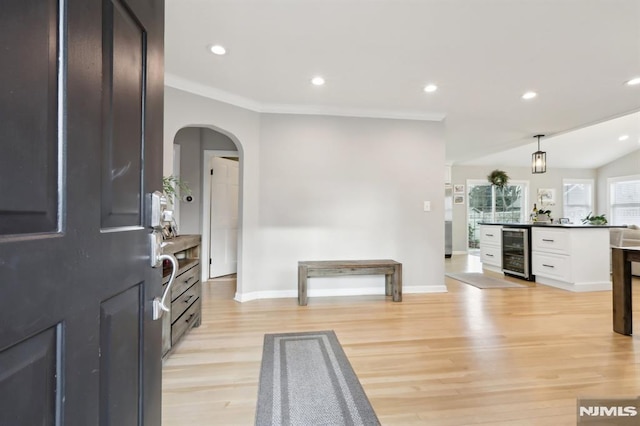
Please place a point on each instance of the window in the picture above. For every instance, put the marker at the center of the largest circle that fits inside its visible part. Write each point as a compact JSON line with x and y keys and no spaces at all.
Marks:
{"x":577,"y":199}
{"x":486,"y":203}
{"x":624,"y":200}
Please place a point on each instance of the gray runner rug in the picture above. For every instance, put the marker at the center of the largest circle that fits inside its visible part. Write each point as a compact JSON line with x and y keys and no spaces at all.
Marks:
{"x":478,"y":279}
{"x":306,"y":379}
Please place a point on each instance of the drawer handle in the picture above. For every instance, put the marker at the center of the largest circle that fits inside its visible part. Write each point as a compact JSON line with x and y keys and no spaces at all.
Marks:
{"x":489,"y":235}
{"x":190,"y":316}
{"x":489,"y":255}
{"x":548,"y":266}
{"x":548,"y":241}
{"x":188,"y":298}
{"x":189,"y":279}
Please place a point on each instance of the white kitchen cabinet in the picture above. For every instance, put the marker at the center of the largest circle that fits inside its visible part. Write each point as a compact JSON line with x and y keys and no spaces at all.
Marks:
{"x":571,"y":258}
{"x":491,"y":247}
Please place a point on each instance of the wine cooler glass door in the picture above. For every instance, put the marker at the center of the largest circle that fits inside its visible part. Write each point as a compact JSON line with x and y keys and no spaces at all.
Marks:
{"x":515,"y":256}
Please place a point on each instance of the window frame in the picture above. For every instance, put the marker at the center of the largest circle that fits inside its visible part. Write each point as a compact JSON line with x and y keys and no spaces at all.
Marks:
{"x":610,"y":182}
{"x":473,"y":182}
{"x":569,"y":181}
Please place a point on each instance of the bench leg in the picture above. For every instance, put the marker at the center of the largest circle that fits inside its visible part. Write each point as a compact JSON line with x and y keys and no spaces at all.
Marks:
{"x":387,"y":284}
{"x":302,"y":285}
{"x":397,"y":283}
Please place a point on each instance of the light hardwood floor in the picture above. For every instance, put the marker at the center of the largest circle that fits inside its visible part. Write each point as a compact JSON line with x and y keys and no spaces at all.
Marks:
{"x":467,"y":357}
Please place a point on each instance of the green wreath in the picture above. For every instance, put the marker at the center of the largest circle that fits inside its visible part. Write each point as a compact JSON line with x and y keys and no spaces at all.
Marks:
{"x":498,"y":178}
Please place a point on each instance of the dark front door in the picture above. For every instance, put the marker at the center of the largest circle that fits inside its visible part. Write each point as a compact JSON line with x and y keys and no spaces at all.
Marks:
{"x":81,"y":87}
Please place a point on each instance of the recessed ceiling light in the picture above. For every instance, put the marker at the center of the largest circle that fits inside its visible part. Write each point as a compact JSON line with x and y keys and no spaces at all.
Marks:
{"x":317,"y":81}
{"x":633,"y":81}
{"x":430,"y":88}
{"x":623,"y":138}
{"x":529,"y":95}
{"x":217,"y":49}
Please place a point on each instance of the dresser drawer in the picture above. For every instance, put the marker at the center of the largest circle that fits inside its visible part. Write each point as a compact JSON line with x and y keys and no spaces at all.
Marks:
{"x":550,"y":240}
{"x":185,"y":280}
{"x":491,"y":255}
{"x":551,"y":266}
{"x":490,"y":235}
{"x":188,"y":319}
{"x":185,"y":300}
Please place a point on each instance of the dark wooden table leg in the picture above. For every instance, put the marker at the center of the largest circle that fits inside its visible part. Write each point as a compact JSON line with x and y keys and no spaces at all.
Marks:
{"x":621,"y":290}
{"x":302,"y":284}
{"x":397,"y":283}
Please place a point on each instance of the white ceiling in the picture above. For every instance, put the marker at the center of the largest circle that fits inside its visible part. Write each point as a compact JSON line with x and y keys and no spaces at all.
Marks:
{"x":589,"y":147}
{"x":377,"y":55}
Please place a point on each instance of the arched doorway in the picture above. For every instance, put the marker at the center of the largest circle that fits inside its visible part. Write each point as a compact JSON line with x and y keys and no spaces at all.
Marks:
{"x":212,"y":212}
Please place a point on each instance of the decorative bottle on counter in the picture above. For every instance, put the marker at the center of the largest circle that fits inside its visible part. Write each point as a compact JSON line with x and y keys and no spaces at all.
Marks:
{"x":534,"y":213}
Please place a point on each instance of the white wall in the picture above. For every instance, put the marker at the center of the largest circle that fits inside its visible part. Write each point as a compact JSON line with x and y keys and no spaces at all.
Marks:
{"x":551,"y":179}
{"x":318,"y":187}
{"x":213,"y":140}
{"x":351,"y":188}
{"x":183,"y":109}
{"x":189,"y":140}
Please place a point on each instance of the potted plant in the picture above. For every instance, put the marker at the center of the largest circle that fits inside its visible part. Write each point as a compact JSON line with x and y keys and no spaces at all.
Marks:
{"x":498,"y":178}
{"x":543,"y":215}
{"x":171,"y":185}
{"x":595,"y":220}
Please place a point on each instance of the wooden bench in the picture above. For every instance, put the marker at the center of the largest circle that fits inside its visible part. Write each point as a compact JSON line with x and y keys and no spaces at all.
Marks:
{"x":324,"y":268}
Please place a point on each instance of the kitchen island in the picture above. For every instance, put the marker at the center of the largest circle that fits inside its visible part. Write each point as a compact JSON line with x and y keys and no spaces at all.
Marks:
{"x":567,"y":256}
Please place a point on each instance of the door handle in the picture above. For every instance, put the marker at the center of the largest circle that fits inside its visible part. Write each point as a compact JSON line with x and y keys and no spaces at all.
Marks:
{"x":159,"y":302}
{"x":155,"y":208}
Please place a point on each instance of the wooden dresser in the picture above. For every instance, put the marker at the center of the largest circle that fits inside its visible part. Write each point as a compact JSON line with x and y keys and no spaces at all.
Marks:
{"x":186,"y":291}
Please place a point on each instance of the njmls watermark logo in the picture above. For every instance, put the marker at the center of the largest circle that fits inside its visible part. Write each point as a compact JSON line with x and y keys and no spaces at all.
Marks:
{"x":607,"y":411}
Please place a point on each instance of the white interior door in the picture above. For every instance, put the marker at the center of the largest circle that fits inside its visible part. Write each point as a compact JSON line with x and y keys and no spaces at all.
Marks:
{"x":224,"y":217}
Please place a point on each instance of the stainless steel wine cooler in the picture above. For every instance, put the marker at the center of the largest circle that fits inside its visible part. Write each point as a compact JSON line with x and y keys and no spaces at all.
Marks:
{"x":516,"y":252}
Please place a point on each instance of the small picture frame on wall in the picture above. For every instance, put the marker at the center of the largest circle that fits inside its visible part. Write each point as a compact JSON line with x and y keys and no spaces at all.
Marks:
{"x":458,"y":199}
{"x":458,"y":189}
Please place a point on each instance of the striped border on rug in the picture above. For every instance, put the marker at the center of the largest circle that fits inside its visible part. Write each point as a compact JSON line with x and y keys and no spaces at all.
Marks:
{"x":306,"y":379}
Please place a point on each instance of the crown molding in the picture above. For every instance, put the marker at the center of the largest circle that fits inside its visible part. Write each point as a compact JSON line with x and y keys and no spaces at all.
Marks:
{"x":199,"y":89}
{"x":351,"y":112}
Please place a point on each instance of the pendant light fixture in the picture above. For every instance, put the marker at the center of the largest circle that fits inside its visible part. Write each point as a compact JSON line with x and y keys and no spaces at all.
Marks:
{"x":539,"y":159}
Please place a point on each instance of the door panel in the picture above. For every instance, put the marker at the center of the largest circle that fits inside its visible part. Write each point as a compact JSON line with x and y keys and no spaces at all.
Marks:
{"x":119,"y":344}
{"x":31,"y":361}
{"x":29,"y":134}
{"x":124,"y":42}
{"x":72,"y":109}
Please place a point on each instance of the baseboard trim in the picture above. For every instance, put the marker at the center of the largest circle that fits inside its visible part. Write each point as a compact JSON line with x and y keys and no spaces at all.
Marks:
{"x":576,"y":288}
{"x":330,"y":292}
